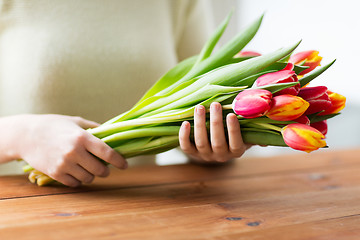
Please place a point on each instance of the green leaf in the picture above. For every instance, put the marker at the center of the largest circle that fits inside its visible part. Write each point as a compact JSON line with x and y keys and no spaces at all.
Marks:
{"x":254,"y":136}
{"x":317,"y":118}
{"x":223,"y":55}
{"x":148,"y":101}
{"x":171,"y":76}
{"x":212,"y":41}
{"x":196,"y":97}
{"x":273,"y":88}
{"x":263,"y":120}
{"x":224,"y":76}
{"x":313,"y":74}
{"x":281,"y":65}
{"x":147,"y":146}
{"x":148,"y":131}
{"x":249,"y":81}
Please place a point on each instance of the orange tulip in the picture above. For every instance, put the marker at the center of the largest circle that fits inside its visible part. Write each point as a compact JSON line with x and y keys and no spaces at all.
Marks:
{"x":337,"y":103}
{"x":287,"y":107}
{"x":310,"y":58}
{"x":303,"y":137}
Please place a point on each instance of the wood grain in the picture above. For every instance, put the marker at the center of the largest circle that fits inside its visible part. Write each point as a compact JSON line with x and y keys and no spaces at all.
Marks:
{"x":312,"y":196}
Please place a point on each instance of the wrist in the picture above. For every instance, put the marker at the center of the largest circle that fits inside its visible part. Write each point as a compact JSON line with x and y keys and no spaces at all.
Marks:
{"x":13,"y":132}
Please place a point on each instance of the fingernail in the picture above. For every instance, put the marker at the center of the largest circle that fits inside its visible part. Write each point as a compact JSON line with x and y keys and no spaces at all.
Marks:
{"x":215,"y":107}
{"x":200,"y":109}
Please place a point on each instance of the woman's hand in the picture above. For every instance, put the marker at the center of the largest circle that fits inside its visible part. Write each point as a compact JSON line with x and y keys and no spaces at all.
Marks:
{"x":59,"y":146}
{"x":217,"y":149}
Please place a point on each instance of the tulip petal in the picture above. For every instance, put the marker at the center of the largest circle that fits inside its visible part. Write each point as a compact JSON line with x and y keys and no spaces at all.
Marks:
{"x":309,"y":58}
{"x":252,"y":103}
{"x":337,"y":103}
{"x":287,"y":108}
{"x":303,"y":137}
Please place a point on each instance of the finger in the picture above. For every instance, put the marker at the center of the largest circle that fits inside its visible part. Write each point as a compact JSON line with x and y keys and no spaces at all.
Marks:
{"x":217,"y":134}
{"x":200,"y":132}
{"x":80,"y":174}
{"x":84,"y":123}
{"x":101,"y":150}
{"x":236,"y":144}
{"x":184,"y":139}
{"x":93,"y":165}
{"x":68,"y":180}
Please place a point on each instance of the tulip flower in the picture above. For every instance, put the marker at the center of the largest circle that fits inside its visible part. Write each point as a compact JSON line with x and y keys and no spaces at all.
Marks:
{"x":337,"y":103}
{"x":252,"y":103}
{"x":287,"y":108}
{"x":317,"y":97}
{"x":282,"y":76}
{"x":302,"y":119}
{"x":303,"y":137}
{"x":308,"y":58}
{"x":247,"y":54}
{"x":321,"y":126}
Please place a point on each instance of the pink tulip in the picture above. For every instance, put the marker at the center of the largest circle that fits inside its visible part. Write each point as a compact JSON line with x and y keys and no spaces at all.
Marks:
{"x":287,"y":108}
{"x":309,"y":58}
{"x":320,"y":126}
{"x":303,"y":137}
{"x":282,"y":76}
{"x":247,"y":54}
{"x":317,"y":97}
{"x":252,"y":103}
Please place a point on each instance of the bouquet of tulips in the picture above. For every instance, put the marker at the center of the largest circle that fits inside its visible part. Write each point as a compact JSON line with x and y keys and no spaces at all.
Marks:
{"x":267,"y":92}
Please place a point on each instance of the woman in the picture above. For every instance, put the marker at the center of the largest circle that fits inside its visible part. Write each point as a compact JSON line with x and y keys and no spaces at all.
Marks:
{"x":94,"y":59}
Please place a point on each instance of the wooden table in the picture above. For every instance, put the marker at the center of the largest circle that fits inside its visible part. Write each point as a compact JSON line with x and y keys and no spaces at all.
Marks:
{"x":300,"y":196}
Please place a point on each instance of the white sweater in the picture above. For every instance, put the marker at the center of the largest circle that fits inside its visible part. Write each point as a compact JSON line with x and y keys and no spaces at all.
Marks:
{"x":95,"y":58}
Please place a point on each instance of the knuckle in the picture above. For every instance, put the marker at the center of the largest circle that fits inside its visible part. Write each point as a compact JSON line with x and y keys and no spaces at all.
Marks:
{"x":54,"y":173}
{"x":79,"y":137}
{"x":216,"y":123}
{"x":67,"y":157}
{"x":109,"y":155}
{"x":201,"y":145}
{"x":217,"y":147}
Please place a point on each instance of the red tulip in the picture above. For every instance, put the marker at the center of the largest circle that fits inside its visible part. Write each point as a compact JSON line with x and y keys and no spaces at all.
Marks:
{"x":320,"y":126}
{"x":310,"y":59}
{"x":303,"y":137}
{"x":282,"y":76}
{"x":303,"y":119}
{"x":252,"y":103}
{"x":337,"y":103}
{"x":317,"y":97}
{"x":287,"y":108}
